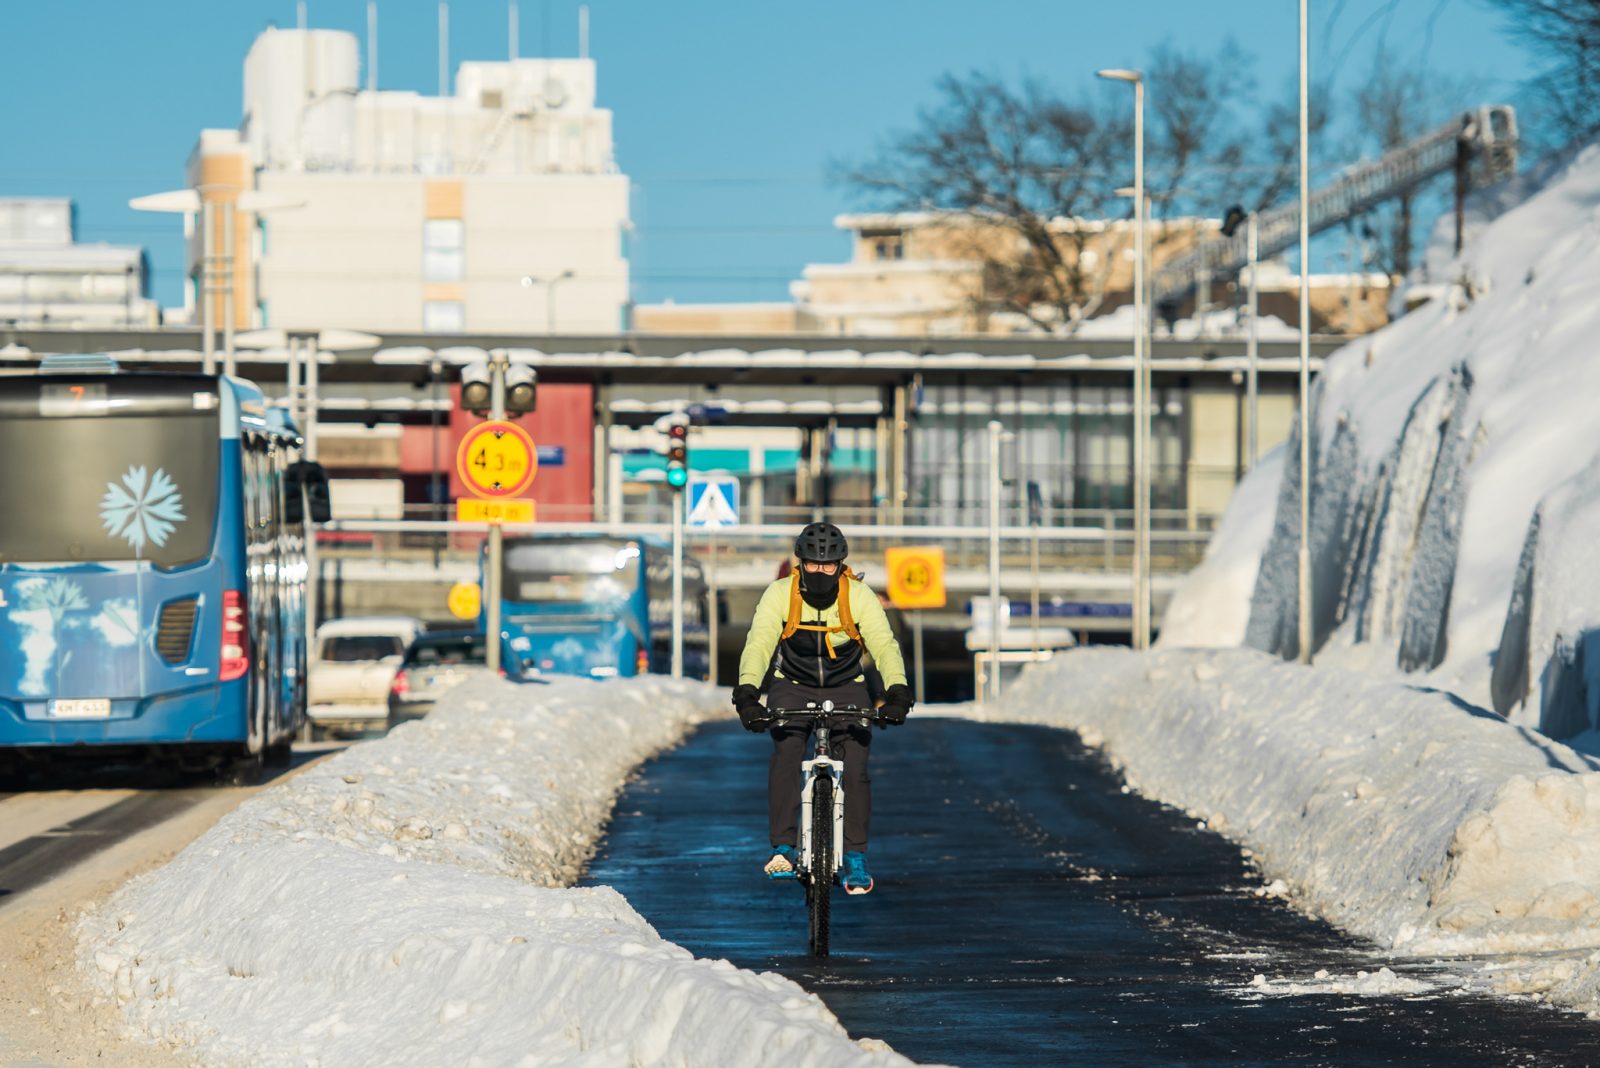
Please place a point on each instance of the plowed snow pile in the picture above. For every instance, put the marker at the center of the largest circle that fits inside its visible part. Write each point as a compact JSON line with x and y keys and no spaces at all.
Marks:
{"x":400,"y":904}
{"x":1399,"y":813}
{"x":1455,"y":499}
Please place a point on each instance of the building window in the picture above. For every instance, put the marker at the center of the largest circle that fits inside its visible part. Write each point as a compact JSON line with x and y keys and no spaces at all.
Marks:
{"x":886,"y":244}
{"x":442,"y":259}
{"x":444,"y":317}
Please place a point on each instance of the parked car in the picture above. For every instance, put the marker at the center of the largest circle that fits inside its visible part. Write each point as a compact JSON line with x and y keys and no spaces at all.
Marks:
{"x":352,"y":668}
{"x":433,"y":664}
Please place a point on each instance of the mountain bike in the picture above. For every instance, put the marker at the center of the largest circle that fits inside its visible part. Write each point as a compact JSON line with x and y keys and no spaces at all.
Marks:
{"x":821,"y":846}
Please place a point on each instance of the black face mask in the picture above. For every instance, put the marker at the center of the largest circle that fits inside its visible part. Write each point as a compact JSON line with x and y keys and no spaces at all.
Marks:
{"x":820,"y":590}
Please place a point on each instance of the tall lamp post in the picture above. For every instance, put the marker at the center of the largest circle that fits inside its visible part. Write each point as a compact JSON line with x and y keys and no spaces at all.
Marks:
{"x":187,"y":202}
{"x":1230,"y":225}
{"x":529,"y":281}
{"x":1141,"y":406}
{"x":1306,"y":428}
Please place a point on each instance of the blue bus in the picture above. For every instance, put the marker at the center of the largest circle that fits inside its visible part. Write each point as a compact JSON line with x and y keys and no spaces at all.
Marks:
{"x":152,"y":565}
{"x":597,"y":606}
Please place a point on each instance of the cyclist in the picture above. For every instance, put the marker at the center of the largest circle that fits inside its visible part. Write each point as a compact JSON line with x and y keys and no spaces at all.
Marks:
{"x":809,"y":630}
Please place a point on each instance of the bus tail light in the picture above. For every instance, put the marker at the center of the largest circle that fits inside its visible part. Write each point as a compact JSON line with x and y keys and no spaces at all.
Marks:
{"x":235,"y":638}
{"x":642,"y":662}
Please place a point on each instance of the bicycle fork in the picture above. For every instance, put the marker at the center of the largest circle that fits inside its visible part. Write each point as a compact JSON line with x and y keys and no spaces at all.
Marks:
{"x":821,"y":772}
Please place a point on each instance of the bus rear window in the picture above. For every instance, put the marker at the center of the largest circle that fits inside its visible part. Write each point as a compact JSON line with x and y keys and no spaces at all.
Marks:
{"x":592,"y":572}
{"x":108,"y":488}
{"x":350,"y":648}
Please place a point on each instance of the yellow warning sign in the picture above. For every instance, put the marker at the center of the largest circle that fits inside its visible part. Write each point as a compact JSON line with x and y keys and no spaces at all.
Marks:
{"x":477,"y":510}
{"x":916,"y":576}
{"x":466,"y":598}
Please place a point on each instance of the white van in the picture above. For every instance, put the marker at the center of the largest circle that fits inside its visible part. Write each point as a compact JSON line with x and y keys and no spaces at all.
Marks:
{"x":352,"y":668}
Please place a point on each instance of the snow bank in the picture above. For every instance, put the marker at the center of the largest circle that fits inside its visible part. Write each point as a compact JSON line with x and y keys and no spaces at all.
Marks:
{"x":399,"y":905}
{"x":1436,"y":442}
{"x":1212,"y":607}
{"x":1396,"y":812}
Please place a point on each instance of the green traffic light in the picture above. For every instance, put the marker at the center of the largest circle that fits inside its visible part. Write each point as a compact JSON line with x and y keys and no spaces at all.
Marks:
{"x":677,"y":477}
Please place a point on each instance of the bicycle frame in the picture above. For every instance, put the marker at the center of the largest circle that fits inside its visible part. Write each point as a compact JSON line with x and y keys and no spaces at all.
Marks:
{"x":818,"y":861}
{"x":816,"y":774}
{"x":821,"y":769}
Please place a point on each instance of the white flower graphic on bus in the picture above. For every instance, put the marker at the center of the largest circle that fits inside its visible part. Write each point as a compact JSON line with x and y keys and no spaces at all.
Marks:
{"x":144,"y":508}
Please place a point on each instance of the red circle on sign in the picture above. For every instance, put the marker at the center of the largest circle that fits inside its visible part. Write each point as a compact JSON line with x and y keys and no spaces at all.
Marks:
{"x":497,"y":459}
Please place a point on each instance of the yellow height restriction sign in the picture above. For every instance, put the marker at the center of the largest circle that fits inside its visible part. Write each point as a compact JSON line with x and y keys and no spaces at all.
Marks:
{"x":477,"y":510}
{"x":465,"y":600}
{"x":497,"y":459}
{"x":916,"y":576}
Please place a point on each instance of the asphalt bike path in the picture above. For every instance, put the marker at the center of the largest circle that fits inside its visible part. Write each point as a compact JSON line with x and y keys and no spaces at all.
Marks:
{"x":1028,"y":911}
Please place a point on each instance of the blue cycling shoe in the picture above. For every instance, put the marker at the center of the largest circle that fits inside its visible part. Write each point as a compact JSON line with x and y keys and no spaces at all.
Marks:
{"x":854,"y":874}
{"x":783,"y":863}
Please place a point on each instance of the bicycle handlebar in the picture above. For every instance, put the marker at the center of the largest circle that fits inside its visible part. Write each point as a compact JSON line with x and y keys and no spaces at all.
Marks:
{"x":780,"y":717}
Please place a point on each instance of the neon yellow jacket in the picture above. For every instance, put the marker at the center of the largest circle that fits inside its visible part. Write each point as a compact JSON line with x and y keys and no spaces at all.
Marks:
{"x":766,"y":628}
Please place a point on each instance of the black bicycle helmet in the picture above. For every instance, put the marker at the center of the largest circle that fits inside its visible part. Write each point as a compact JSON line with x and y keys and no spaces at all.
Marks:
{"x":822,"y":542}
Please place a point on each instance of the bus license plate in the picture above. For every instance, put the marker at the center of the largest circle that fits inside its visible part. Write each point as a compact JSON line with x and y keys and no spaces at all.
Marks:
{"x":81,"y":708}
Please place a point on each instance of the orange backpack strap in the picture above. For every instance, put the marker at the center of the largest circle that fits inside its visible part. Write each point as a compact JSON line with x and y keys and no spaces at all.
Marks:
{"x":792,"y":624}
{"x":845,"y":618}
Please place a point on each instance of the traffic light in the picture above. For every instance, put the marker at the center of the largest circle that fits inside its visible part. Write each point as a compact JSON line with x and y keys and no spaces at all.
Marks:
{"x":678,"y":454}
{"x":522,"y":390}
{"x":477,"y":389}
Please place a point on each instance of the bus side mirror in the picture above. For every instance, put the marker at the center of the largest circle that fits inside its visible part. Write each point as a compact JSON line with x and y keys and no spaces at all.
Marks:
{"x":308,"y":477}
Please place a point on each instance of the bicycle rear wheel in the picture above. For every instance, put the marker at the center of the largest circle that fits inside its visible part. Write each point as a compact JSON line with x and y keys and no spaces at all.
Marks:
{"x":820,"y":881}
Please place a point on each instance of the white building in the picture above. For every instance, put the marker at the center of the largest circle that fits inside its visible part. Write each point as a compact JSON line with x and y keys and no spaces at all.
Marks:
{"x":48,"y":279}
{"x":498,"y":209}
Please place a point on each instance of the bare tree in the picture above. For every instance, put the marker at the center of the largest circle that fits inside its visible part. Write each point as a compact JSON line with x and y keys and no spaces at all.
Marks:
{"x":1023,"y":161}
{"x":1016,"y":161}
{"x":1566,"y":33}
{"x":1392,"y":106}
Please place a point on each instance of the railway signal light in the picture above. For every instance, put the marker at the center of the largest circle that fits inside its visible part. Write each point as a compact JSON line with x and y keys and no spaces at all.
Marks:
{"x":522,"y":390}
{"x":477,"y":388}
{"x":678,"y":454}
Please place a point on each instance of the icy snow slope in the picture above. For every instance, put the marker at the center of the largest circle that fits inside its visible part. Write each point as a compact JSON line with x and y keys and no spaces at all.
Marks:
{"x":1436,"y":442}
{"x":1398,"y":813}
{"x":398,"y":905}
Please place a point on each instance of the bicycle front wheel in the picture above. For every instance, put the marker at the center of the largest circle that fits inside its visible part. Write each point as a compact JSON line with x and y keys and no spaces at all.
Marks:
{"x":821,"y":874}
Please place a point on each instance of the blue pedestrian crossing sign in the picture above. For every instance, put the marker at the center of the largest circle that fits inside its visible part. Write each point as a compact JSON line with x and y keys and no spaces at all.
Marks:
{"x":714,"y":501}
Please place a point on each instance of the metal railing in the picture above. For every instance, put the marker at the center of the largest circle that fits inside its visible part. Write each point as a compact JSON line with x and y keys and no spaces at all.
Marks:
{"x":411,"y":549}
{"x":1483,"y":142}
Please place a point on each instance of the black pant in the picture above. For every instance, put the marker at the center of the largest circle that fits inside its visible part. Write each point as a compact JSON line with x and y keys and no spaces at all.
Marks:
{"x":789,"y":750}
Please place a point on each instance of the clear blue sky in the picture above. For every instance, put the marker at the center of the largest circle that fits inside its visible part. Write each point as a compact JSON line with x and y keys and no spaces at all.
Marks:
{"x":727,"y":114}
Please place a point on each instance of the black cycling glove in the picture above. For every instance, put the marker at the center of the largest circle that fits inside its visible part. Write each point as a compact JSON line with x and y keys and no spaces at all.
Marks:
{"x":747,"y":701}
{"x":897,"y":702}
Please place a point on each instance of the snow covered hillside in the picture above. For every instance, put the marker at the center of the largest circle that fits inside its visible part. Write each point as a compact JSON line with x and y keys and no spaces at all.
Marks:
{"x":1397,"y":812}
{"x":401,"y":904}
{"x":1456,"y":481}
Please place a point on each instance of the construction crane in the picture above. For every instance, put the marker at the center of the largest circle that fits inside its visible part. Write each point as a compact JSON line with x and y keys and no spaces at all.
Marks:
{"x":1480,"y":147}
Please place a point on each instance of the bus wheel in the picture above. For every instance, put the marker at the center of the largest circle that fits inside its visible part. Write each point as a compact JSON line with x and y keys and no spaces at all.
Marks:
{"x":280,"y":753}
{"x":245,"y":769}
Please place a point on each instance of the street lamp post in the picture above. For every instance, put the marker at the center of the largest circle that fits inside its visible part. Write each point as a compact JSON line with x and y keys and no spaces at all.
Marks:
{"x":257,"y":203}
{"x":1252,"y":347}
{"x":1141,"y":381}
{"x":188,"y":202}
{"x":529,"y":281}
{"x":1306,"y":426}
